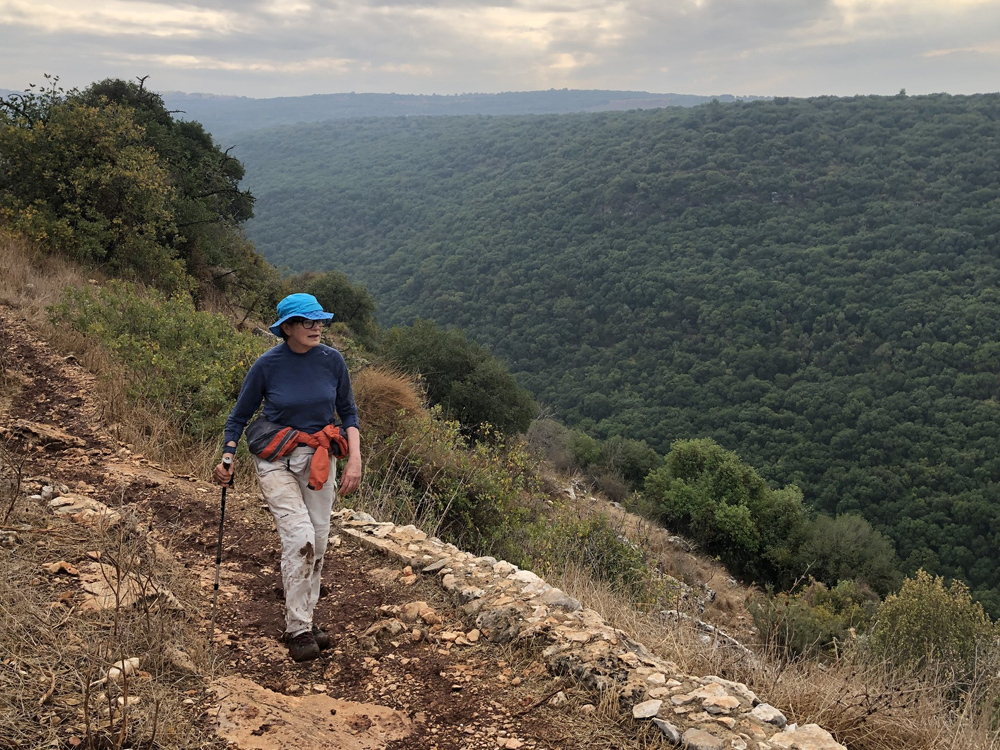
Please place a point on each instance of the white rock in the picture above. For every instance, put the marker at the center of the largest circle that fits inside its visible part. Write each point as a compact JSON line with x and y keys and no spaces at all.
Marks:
{"x":672,"y":733}
{"x":769,"y":715}
{"x":808,"y":737}
{"x":525,"y":576}
{"x":125,"y":667}
{"x":646,"y":709}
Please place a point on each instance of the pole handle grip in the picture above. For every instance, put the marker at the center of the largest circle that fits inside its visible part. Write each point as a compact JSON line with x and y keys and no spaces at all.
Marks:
{"x":227,"y":462}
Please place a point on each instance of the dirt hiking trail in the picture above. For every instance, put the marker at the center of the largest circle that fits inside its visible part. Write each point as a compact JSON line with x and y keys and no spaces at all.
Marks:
{"x":412,"y":689}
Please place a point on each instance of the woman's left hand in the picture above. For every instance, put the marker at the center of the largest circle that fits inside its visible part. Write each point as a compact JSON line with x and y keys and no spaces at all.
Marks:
{"x":351,"y":477}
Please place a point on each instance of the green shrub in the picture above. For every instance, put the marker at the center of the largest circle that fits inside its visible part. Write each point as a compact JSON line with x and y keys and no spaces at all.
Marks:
{"x":816,"y":620}
{"x":184,"y":363}
{"x":425,"y":470}
{"x":352,"y":304}
{"x":82,"y":180}
{"x":466,"y":380}
{"x":708,"y":493}
{"x":928,"y":625}
{"x":552,"y":544}
{"x":847,"y":547}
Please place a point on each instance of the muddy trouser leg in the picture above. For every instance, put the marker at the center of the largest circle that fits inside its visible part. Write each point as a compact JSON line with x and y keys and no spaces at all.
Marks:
{"x":303,"y":520}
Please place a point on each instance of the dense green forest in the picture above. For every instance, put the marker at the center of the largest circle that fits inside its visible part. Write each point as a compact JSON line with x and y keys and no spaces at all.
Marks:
{"x":811,"y":283}
{"x":225,"y":116}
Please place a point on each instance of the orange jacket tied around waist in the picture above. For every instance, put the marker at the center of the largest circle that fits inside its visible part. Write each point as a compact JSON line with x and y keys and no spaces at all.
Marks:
{"x":270,"y":441}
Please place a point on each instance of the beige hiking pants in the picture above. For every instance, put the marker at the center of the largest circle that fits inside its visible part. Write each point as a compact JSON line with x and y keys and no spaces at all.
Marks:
{"x":303,"y":520}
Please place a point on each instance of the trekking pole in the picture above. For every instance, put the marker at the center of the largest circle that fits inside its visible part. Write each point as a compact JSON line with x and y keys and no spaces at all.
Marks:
{"x":227,"y":461}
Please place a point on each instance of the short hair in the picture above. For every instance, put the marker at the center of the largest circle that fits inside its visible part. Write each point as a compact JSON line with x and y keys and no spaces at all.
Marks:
{"x":290,"y":321}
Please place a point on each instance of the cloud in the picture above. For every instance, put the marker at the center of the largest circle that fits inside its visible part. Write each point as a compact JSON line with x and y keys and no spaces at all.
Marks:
{"x":270,"y":47}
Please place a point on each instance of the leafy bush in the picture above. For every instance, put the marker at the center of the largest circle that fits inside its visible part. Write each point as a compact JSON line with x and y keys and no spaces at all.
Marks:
{"x":816,"y":620}
{"x":848,"y":548}
{"x":82,"y":180}
{"x":471,"y":385}
{"x":928,"y":625}
{"x":552,"y":544}
{"x":107,"y":176}
{"x":185,"y":363}
{"x":708,"y":493}
{"x":422,"y":469}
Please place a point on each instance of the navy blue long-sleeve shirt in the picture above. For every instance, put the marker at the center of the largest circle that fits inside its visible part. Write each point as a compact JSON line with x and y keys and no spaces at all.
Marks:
{"x":303,"y":391}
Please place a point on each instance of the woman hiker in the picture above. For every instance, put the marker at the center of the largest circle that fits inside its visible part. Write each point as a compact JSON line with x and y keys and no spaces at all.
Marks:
{"x":302,"y":383}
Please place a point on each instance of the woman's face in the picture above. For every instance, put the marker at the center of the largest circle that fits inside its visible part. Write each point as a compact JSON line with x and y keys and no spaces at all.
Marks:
{"x":300,"y":338}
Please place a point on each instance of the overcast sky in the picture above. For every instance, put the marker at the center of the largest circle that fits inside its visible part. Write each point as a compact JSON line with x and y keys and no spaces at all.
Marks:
{"x":264,"y":48}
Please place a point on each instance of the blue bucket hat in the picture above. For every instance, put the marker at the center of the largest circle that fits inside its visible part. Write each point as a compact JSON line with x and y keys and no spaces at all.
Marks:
{"x":299,"y":306}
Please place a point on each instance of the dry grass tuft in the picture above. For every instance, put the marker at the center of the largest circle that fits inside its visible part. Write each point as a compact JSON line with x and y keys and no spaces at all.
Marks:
{"x":385,"y":396}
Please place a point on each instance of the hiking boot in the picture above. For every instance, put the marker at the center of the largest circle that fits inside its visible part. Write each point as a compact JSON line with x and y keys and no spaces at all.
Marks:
{"x":302,"y":647}
{"x":322,"y":638}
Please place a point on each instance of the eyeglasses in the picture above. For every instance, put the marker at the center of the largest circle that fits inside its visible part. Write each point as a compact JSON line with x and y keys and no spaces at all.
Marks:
{"x":309,"y":324}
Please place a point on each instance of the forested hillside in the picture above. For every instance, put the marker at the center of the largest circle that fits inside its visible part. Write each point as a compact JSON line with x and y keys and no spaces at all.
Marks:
{"x":812,"y":283}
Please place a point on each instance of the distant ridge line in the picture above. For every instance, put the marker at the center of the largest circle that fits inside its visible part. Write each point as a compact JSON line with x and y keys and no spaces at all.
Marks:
{"x":224,"y":115}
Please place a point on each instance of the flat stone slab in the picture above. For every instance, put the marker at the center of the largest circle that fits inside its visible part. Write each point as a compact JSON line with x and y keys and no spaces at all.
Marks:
{"x":254,"y":718}
{"x":47,"y":434}
{"x":808,"y":737}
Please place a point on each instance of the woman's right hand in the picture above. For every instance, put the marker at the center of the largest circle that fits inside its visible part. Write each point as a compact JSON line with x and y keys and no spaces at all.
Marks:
{"x":223,"y":474}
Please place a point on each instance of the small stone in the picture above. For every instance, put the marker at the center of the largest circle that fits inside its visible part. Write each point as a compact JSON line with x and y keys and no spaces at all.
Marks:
{"x":696,"y":739}
{"x":672,"y":733}
{"x":558,"y":699}
{"x":179,"y":659}
{"x":720,"y":704}
{"x":587,"y":708}
{"x":473,"y":636}
{"x":434,"y":567}
{"x":808,"y":737}
{"x":125,"y":667}
{"x":657,"y":679}
{"x":646,"y":709}
{"x":769,"y":715}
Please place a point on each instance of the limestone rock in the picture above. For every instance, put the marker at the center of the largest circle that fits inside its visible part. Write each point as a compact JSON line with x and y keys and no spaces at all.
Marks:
{"x":511,"y":604}
{"x":318,"y":722}
{"x":696,"y":739}
{"x":646,"y":709}
{"x":179,"y":659}
{"x":769,"y":715}
{"x":672,"y":733}
{"x":808,"y":737}
{"x":47,"y":435}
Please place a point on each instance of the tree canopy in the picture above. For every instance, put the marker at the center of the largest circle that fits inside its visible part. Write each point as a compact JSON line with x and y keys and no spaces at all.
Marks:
{"x":107,"y":175}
